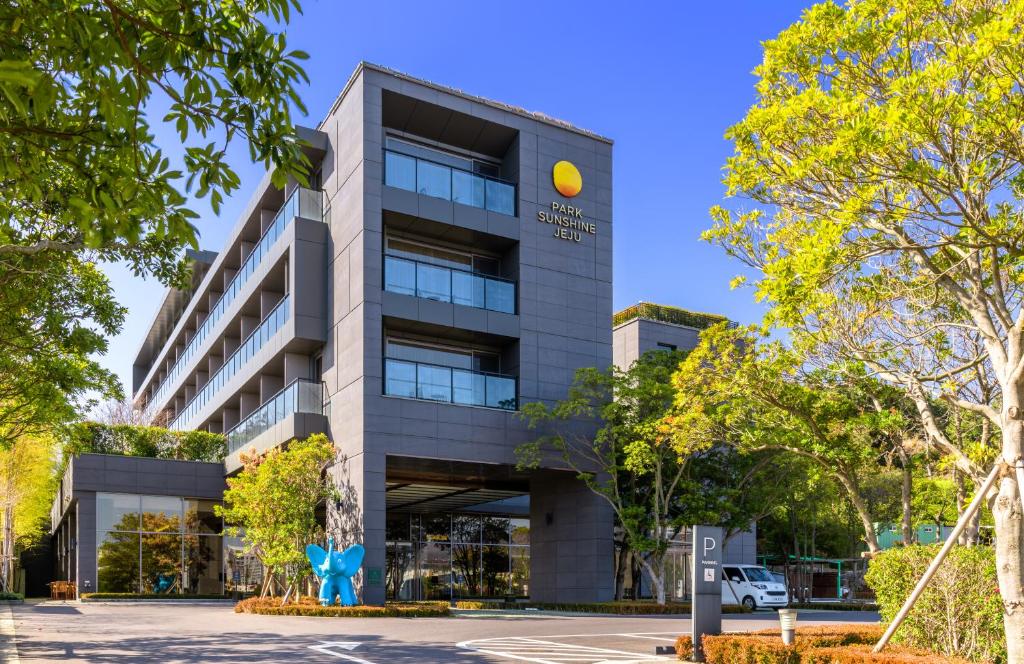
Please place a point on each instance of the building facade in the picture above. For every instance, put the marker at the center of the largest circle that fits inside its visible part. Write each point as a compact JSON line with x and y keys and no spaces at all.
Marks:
{"x":450,"y":260}
{"x":648,"y":327}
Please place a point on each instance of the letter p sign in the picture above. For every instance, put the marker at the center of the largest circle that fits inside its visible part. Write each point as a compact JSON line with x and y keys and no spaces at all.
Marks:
{"x":709,"y":545}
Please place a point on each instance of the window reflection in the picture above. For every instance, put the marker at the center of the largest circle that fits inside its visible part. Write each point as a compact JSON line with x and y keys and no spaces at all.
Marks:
{"x":117,"y":562}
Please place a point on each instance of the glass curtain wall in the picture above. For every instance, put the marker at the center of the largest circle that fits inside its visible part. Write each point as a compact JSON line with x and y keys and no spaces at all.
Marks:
{"x":157,"y":545}
{"x":454,"y":555}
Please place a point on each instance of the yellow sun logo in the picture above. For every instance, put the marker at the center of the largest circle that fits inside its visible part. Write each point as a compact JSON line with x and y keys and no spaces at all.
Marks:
{"x":567,"y":179}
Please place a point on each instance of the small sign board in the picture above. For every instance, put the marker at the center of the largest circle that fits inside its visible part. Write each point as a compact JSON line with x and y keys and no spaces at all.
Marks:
{"x":707,"y":586}
{"x":374,"y":576}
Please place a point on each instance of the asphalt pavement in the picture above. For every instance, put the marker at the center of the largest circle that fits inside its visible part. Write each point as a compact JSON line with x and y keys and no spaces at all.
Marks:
{"x":147,"y":633}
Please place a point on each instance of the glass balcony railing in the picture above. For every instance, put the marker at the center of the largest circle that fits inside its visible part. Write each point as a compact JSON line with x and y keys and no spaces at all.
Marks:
{"x":434,"y":282}
{"x":299,"y":396}
{"x":452,"y":184}
{"x":306,"y":203}
{"x":417,"y":380}
{"x":273,"y":322}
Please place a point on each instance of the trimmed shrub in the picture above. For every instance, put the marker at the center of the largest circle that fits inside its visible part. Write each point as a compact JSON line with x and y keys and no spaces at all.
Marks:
{"x":11,"y":597}
{"x":833,"y":644}
{"x":145,"y":596}
{"x":835,"y":606}
{"x":308,"y":606}
{"x":629,"y":608}
{"x":142,"y":441}
{"x":960,"y":612}
{"x":479,"y":604}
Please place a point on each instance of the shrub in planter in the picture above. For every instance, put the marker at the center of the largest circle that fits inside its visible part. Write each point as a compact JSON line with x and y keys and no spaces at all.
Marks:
{"x":960,"y":613}
{"x":842,"y":644}
{"x":309,"y":606}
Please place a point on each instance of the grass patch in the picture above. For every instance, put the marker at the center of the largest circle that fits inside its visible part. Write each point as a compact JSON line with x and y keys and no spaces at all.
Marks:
{"x":309,"y":606}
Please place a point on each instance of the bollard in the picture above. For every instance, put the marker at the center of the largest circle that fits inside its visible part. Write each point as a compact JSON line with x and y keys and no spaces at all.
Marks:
{"x":787,"y":618}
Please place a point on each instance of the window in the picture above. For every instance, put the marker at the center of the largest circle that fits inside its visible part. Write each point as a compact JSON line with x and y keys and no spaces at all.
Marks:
{"x":732,"y":574}
{"x":667,"y":347}
{"x":157,"y":544}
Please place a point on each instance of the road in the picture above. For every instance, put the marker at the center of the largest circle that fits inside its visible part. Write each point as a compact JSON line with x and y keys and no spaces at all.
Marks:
{"x":147,"y":633}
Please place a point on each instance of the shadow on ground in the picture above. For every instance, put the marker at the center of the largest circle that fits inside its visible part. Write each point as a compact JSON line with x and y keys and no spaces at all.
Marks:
{"x":248,"y":647}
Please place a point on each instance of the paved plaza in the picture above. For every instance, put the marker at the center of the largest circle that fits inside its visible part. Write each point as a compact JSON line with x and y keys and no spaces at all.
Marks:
{"x":211,"y":632}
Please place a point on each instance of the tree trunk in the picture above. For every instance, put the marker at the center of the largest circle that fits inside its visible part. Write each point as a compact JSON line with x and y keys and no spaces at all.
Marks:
{"x":621,"y":565}
{"x":870,"y":537}
{"x":906,"y":497}
{"x":655,"y":567}
{"x":1009,"y":526}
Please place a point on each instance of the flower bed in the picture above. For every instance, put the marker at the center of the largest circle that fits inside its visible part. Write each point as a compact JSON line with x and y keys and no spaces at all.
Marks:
{"x":834,"y":644}
{"x":309,"y":606}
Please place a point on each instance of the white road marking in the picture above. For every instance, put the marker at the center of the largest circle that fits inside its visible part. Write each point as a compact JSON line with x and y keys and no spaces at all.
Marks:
{"x":552,"y":652}
{"x":329,"y":648}
{"x":652,"y":638}
{"x":8,"y":648}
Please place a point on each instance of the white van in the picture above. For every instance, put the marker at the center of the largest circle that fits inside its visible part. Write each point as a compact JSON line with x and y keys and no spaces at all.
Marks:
{"x":753,"y":587}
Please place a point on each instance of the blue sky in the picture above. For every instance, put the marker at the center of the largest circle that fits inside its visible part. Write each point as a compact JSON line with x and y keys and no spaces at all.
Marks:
{"x":664,"y":80}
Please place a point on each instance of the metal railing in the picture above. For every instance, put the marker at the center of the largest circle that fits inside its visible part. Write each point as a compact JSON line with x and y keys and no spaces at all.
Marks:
{"x":432,"y":178}
{"x":299,"y":396}
{"x":445,"y":284}
{"x":433,"y":382}
{"x":306,"y":203}
{"x":266,"y":330}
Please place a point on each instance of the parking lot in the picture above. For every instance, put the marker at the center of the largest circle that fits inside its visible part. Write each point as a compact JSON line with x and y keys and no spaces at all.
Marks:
{"x":211,"y":632}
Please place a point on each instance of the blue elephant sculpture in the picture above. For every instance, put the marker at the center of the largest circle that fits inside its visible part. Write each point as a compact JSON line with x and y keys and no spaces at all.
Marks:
{"x":336,"y":569}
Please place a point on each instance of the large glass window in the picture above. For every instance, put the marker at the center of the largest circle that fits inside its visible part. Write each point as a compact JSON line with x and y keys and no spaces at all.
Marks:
{"x":161,"y":564}
{"x":243,"y":572}
{"x":117,"y":511}
{"x":117,"y":562}
{"x":442,"y":555}
{"x":202,"y":568}
{"x":142,"y":545}
{"x":434,"y":570}
{"x":161,"y":514}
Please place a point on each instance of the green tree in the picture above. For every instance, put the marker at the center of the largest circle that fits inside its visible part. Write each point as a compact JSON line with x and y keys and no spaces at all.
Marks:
{"x":631,"y":462}
{"x":272,"y":503}
{"x":756,"y":397}
{"x":884,"y":161}
{"x":27,"y":485}
{"x":83,"y":179}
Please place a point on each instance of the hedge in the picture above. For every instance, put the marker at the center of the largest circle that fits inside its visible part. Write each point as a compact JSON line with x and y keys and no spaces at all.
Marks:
{"x":833,"y":644}
{"x":960,"y":612}
{"x":11,"y":597}
{"x":143,"y":441}
{"x":667,"y":314}
{"x":146,"y":596}
{"x":629,"y":608}
{"x":309,"y":606}
{"x":835,"y":606}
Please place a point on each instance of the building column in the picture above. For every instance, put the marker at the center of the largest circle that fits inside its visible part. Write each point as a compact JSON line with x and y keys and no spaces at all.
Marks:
{"x":571,"y":545}
{"x":359,"y":518}
{"x":84,"y":553}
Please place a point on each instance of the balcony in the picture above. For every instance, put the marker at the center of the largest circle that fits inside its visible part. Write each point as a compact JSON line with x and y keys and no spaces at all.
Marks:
{"x":432,"y":382}
{"x":446,"y":182}
{"x":299,"y":396}
{"x":305,"y":203}
{"x":443,"y":284}
{"x":274,"y":321}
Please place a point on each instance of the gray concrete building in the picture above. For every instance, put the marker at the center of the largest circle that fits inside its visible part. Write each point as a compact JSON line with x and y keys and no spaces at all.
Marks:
{"x":450,"y":260}
{"x":646,"y":327}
